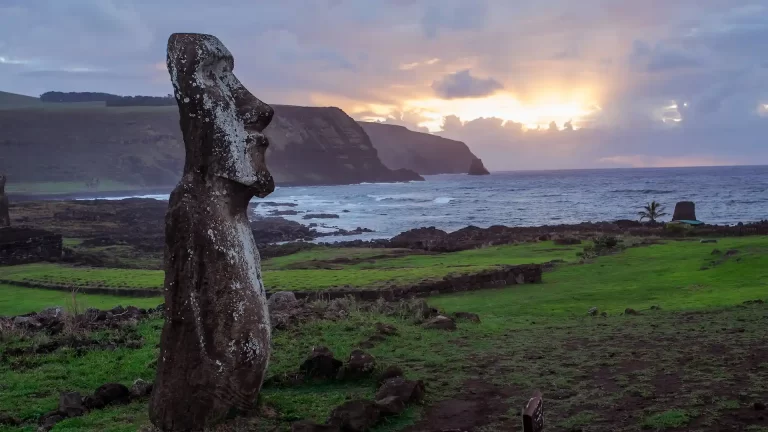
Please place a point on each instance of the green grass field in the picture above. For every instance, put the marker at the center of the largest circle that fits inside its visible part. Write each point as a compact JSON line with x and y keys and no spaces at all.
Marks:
{"x":697,"y":364}
{"x":380,"y":273}
{"x":17,"y":300}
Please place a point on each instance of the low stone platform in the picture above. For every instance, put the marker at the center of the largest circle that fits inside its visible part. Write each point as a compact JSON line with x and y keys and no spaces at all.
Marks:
{"x":21,"y":245}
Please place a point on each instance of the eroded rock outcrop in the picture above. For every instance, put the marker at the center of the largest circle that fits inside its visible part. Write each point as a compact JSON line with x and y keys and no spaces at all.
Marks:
{"x":476,"y":167}
{"x":424,"y":153}
{"x":215,"y":344}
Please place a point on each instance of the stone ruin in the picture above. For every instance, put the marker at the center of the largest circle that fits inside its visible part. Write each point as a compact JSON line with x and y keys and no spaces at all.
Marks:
{"x":215,"y":343}
{"x":21,"y":245}
{"x":684,"y":210}
{"x":5,"y":218}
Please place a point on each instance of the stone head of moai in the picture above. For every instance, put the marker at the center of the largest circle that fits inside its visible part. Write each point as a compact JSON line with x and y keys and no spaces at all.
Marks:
{"x":222,"y":122}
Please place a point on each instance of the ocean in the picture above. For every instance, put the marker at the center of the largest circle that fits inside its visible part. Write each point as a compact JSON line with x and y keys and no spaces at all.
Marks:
{"x":723,"y":195}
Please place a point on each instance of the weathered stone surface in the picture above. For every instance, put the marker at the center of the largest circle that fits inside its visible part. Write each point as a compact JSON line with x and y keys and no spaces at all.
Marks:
{"x":71,"y":404}
{"x":440,"y":322}
{"x":320,"y":364}
{"x":112,"y":393}
{"x":215,"y":344}
{"x":391,"y":405}
{"x":140,"y":388}
{"x":9,"y":420}
{"x":386,"y":329}
{"x":49,"y":420}
{"x":392,"y":371}
{"x":684,"y":210}
{"x":593,"y":311}
{"x":469,"y":316}
{"x":355,"y":415}
{"x":405,"y":390}
{"x":5,"y":218}
{"x":476,"y":167}
{"x":359,"y":365}
{"x":630,"y":311}
{"x":282,"y":300}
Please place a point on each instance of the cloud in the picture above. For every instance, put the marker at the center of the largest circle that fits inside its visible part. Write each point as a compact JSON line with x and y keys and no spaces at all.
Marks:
{"x":649,"y":161}
{"x":463,"y":85}
{"x":454,"y":15}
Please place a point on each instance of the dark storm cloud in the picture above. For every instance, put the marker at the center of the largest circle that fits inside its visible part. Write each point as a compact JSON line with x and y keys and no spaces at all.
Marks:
{"x":463,"y":85}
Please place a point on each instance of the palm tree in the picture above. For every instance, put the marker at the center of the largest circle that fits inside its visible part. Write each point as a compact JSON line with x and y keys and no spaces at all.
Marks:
{"x":652,"y":212}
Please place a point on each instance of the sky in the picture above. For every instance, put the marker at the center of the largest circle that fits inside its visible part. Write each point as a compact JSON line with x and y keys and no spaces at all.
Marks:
{"x":550,"y":84}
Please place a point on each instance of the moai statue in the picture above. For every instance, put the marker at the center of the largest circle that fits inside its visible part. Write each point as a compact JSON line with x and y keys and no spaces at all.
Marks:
{"x":5,"y":218}
{"x":215,"y":344}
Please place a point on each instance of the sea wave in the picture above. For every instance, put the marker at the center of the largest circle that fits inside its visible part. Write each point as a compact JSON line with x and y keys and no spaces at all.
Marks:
{"x":442,"y":200}
{"x":643,"y":191}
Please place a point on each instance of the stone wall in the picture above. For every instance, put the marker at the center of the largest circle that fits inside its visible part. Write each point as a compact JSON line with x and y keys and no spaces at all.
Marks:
{"x":26,"y":245}
{"x":496,"y":278}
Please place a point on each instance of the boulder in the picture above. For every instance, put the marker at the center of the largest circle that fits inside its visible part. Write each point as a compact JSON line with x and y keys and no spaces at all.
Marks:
{"x":112,"y":393}
{"x":355,"y":415}
{"x":440,"y":322}
{"x":386,"y":329}
{"x":9,"y":420}
{"x":630,"y":311}
{"x":52,"y":313}
{"x":391,"y":405}
{"x":140,"y":388}
{"x":469,"y":316}
{"x":390,"y":372}
{"x":684,"y":210}
{"x":282,"y":300}
{"x":320,"y":364}
{"x":593,"y":311}
{"x":27,"y":322}
{"x":71,"y":404}
{"x":49,"y":420}
{"x":406,"y":390}
{"x":359,"y":365}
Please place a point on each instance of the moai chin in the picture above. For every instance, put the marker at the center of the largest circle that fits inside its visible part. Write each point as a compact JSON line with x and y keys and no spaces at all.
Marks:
{"x":215,"y":343}
{"x":5,"y":218}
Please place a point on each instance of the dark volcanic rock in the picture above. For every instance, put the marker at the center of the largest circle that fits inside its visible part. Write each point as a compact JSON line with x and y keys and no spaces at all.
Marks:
{"x":423,"y":153}
{"x":440,"y":322}
{"x":391,"y":405}
{"x":112,"y":393}
{"x":283,"y":212}
{"x":309,"y":426}
{"x":140,"y":388}
{"x":320,"y":216}
{"x":275,"y":229}
{"x":405,"y":390}
{"x":71,"y":404}
{"x":359,"y":365}
{"x":320,"y":364}
{"x":419,"y":238}
{"x":390,"y":372}
{"x":5,"y":218}
{"x":469,"y":316}
{"x":49,"y":420}
{"x":476,"y":167}
{"x":684,"y":210}
{"x":215,"y":343}
{"x":281,"y":300}
{"x":355,"y":415}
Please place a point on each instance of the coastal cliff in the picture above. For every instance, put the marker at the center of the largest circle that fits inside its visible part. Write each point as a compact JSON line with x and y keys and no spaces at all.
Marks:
{"x":424,"y":153}
{"x":141,"y":147}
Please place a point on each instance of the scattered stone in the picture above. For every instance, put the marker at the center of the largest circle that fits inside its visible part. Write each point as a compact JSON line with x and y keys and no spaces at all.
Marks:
{"x":320,"y":216}
{"x":759,"y":406}
{"x":359,"y":365}
{"x":391,"y":405}
{"x":320,"y":364}
{"x":604,"y":314}
{"x":716,"y":252}
{"x":140,"y":388}
{"x":355,"y":415}
{"x":440,"y":322}
{"x":758,"y":301}
{"x":52,"y":313}
{"x":469,"y":316}
{"x":27,"y":322}
{"x":593,"y":311}
{"x":405,"y":390}
{"x":655,"y":307}
{"x":630,"y":311}
{"x":49,"y":420}
{"x":731,"y":252}
{"x":282,"y":300}
{"x":308,"y":426}
{"x":390,"y":372}
{"x":71,"y":404}
{"x":386,"y":329}
{"x":708,"y":241}
{"x":112,"y":393}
